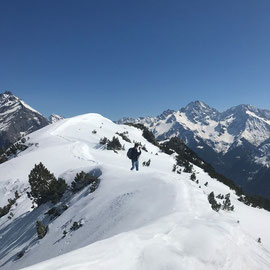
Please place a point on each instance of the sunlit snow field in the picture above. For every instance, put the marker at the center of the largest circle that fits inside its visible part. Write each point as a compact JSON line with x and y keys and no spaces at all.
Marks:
{"x":152,"y":219}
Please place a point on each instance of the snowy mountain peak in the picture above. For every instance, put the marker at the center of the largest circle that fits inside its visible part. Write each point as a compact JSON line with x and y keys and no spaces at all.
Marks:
{"x":17,"y":117}
{"x":126,"y":120}
{"x":165,"y":114}
{"x":6,"y":94}
{"x":197,"y":105}
{"x":7,"y":99}
{"x":54,"y":118}
{"x":241,"y":109}
{"x":198,"y":111}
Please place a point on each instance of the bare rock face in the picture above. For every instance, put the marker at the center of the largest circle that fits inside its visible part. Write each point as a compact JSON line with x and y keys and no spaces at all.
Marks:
{"x":17,"y":119}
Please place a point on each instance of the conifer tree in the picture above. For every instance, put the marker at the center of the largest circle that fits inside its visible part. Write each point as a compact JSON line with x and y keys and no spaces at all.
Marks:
{"x":114,"y":144}
{"x":227,"y":203}
{"x":56,"y":189}
{"x":82,"y":180}
{"x":40,"y":179}
{"x":211,"y":198}
{"x":193,"y":176}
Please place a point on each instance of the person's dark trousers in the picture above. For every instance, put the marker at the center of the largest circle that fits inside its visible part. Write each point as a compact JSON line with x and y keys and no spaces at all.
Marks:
{"x":135,"y":163}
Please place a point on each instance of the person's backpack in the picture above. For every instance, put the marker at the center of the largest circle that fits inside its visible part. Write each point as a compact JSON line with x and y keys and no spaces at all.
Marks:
{"x":129,"y":153}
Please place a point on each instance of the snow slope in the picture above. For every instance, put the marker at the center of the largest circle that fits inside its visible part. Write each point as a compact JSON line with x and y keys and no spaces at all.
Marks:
{"x":151,"y":219}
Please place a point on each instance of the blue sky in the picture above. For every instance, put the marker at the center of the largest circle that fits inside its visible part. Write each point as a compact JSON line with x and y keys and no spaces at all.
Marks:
{"x":135,"y":58}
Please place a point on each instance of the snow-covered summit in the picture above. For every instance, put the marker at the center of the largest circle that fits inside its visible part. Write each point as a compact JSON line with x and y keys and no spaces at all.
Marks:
{"x":198,"y":111}
{"x":151,"y":219}
{"x":54,"y":118}
{"x":17,"y":118}
{"x":8,"y":100}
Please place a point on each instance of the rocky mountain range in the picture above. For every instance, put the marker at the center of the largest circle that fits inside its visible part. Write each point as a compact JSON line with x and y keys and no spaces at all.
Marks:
{"x":235,"y":142}
{"x":18,"y":119}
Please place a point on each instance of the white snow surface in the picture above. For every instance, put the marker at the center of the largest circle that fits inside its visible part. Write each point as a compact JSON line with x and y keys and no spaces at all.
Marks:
{"x":153,"y":219}
{"x":222,"y":142}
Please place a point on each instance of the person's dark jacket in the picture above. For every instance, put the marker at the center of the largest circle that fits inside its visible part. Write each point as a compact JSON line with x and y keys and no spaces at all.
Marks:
{"x":135,"y":154}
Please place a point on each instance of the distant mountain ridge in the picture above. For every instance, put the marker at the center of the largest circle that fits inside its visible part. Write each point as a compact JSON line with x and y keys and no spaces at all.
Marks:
{"x":236,"y":142}
{"x":54,"y":118}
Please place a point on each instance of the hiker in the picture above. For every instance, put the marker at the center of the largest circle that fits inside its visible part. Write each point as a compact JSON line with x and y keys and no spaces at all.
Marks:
{"x":133,"y":154}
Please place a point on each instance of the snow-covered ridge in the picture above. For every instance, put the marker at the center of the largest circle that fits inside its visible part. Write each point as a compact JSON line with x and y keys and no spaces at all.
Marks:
{"x":151,"y":219}
{"x":29,"y":107}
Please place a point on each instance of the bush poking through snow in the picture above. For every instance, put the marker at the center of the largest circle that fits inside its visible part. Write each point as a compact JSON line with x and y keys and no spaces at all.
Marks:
{"x":144,"y":148}
{"x":227,"y":206}
{"x":11,"y":215}
{"x":220,"y":196}
{"x":259,"y":240}
{"x":193,"y":177}
{"x":84,"y":179}
{"x":12,"y":151}
{"x":15,"y":149}
{"x":177,"y":169}
{"x":5,"y":210}
{"x":56,"y":211}
{"x":147,"y":163}
{"x":206,"y":184}
{"x":214,"y":204}
{"x":20,"y":254}
{"x":53,"y":212}
{"x":41,"y":229}
{"x":188,"y":167}
{"x":103,"y":140}
{"x":114,"y":144}
{"x":3,"y":157}
{"x":124,"y":136}
{"x":75,"y":226}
